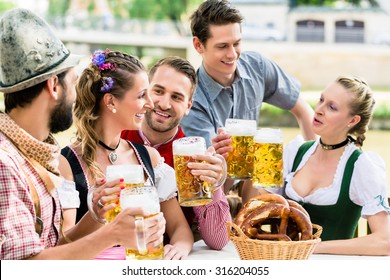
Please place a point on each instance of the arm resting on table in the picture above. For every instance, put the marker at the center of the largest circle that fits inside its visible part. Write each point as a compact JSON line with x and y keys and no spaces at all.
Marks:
{"x":212,"y":220}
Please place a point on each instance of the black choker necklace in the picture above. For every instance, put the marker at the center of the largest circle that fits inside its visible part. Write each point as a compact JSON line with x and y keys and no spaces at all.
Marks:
{"x":336,"y":146}
{"x":112,"y":156}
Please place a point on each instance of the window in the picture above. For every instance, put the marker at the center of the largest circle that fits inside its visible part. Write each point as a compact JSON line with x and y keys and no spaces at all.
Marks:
{"x":310,"y":31}
{"x":349,"y":31}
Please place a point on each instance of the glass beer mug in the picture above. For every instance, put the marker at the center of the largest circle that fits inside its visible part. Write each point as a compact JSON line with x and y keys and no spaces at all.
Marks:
{"x":192,"y":190}
{"x":146,"y":198}
{"x":268,"y":159}
{"x":133,"y":176}
{"x":240,"y":159}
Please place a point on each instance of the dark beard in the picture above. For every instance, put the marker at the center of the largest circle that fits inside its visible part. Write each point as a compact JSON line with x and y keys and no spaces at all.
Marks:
{"x":148,"y":118}
{"x":61,"y":117}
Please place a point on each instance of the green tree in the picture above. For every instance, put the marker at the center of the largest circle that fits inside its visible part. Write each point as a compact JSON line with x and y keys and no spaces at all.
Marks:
{"x":163,"y":10}
{"x":5,"y":6}
{"x":58,"y":7}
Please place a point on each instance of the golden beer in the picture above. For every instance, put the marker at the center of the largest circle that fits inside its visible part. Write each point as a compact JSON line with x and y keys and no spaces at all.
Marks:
{"x":111,"y":214}
{"x":191,"y":189}
{"x":133,"y":176}
{"x":146,"y":198}
{"x":268,"y":159}
{"x":156,"y":253}
{"x":240,"y":159}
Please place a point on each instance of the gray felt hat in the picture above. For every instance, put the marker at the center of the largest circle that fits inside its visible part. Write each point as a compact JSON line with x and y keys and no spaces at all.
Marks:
{"x":30,"y":51}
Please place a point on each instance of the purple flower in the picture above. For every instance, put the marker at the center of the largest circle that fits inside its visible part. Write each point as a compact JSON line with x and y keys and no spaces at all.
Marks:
{"x":107,"y":83}
{"x":98,"y":59}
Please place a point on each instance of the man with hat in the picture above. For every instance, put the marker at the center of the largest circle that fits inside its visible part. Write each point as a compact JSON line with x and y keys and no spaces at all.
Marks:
{"x":37,"y":78}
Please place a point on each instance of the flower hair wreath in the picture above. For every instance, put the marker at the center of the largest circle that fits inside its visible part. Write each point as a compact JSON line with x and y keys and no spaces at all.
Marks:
{"x":98,"y":58}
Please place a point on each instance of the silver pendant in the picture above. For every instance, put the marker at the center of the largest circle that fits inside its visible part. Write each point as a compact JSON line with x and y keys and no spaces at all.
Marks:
{"x":112,"y":157}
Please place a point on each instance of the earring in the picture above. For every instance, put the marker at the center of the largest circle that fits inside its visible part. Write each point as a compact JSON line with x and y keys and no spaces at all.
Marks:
{"x":113,"y":110}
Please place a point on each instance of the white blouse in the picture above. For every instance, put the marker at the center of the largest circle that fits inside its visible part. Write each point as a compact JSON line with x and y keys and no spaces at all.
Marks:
{"x":69,"y":196}
{"x":165,"y":181}
{"x":368,"y":186}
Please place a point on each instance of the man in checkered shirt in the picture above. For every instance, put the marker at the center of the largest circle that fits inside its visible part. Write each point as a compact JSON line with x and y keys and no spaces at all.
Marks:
{"x":37,"y":78}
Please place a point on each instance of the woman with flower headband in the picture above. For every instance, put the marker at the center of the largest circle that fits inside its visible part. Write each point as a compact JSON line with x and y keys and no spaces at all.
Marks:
{"x":348,"y":183}
{"x":112,"y":95}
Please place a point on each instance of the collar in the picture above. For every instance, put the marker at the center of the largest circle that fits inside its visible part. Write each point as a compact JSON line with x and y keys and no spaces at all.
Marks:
{"x":46,"y":152}
{"x":147,"y":142}
{"x":213,"y":87}
{"x":241,"y":72}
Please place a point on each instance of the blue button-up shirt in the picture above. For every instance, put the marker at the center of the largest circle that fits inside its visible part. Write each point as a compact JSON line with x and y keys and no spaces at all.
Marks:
{"x":257,"y":80}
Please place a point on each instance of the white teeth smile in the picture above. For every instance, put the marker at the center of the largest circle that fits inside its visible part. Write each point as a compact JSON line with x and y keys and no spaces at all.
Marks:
{"x":161,"y":114}
{"x":226,"y":62}
{"x":139,"y":115}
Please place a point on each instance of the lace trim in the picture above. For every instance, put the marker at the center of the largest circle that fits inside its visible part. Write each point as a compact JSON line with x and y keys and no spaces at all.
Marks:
{"x":142,"y":163}
{"x":336,"y":181}
{"x":343,"y":160}
{"x":174,"y":195}
{"x":82,"y":167}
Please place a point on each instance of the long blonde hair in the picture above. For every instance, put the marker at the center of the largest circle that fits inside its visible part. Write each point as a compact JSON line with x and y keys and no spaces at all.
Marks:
{"x":90,"y":92}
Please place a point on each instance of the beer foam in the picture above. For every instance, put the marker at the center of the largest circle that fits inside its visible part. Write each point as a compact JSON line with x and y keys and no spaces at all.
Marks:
{"x":131,"y":198}
{"x":131,"y":173}
{"x":239,"y":127}
{"x":269,"y":135}
{"x":189,"y":146}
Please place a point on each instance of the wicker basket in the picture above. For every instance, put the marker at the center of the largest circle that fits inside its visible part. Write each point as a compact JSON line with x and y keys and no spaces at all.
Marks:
{"x":250,"y":249}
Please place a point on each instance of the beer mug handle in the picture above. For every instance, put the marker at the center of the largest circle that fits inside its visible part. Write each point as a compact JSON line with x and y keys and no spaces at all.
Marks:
{"x":224,"y":173}
{"x":140,"y":235}
{"x":90,"y":206}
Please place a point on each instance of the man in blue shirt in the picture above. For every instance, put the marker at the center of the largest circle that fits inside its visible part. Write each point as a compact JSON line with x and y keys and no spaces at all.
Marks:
{"x":234,"y":84}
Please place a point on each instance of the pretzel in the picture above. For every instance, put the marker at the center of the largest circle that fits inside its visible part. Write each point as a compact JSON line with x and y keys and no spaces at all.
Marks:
{"x":271,"y":197}
{"x":272,"y":217}
{"x":295,"y":204}
{"x":257,"y":202}
{"x":252,"y":224}
{"x":293,"y":230}
{"x":302,"y":222}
